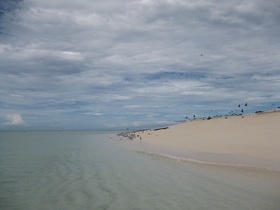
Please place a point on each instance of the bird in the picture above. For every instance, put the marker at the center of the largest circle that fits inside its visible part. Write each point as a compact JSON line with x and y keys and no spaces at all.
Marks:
{"x":246,"y":104}
{"x":201,"y":54}
{"x":239,"y":105}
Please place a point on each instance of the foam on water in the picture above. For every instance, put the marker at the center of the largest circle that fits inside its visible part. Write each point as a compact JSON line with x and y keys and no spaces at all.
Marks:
{"x":86,"y":170}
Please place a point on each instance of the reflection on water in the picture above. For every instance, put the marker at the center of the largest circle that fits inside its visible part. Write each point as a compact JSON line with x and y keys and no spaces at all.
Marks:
{"x":86,"y":170}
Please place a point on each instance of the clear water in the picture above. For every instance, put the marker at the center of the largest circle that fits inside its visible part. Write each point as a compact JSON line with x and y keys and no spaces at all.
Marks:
{"x":88,"y":170}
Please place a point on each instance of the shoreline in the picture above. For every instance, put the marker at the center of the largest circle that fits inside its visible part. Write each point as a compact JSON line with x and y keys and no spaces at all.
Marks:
{"x":250,"y":141}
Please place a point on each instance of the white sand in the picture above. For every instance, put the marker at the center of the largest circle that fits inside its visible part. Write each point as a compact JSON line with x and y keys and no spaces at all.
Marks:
{"x":250,"y":140}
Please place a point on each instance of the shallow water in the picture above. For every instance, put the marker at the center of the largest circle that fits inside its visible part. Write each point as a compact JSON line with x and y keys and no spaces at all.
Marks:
{"x":88,"y":170}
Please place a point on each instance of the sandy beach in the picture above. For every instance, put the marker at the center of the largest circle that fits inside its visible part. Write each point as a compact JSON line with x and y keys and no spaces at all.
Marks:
{"x":251,"y":140}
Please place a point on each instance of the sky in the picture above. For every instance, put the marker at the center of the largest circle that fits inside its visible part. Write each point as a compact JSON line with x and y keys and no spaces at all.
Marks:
{"x":105,"y":64}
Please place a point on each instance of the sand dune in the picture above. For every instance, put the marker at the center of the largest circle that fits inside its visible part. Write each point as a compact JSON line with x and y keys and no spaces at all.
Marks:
{"x":252,"y":139}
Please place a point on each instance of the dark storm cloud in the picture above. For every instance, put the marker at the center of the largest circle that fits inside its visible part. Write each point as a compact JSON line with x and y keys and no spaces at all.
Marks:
{"x":8,"y":6}
{"x":7,"y":9}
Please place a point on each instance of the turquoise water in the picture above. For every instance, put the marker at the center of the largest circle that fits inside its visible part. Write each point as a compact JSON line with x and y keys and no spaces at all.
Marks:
{"x":88,"y":170}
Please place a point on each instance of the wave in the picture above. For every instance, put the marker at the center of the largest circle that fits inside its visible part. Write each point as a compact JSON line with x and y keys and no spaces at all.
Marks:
{"x":253,"y":166}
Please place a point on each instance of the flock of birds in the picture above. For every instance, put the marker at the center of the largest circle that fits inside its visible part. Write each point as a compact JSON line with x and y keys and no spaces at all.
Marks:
{"x":242,"y":108}
{"x":240,"y":111}
{"x":230,"y":113}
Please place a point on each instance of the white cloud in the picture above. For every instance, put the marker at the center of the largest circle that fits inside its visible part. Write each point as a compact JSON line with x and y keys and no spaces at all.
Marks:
{"x":14,"y":119}
{"x":122,"y":61}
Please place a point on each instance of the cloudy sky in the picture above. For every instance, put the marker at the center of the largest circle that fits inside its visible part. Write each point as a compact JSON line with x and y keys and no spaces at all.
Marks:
{"x":105,"y":64}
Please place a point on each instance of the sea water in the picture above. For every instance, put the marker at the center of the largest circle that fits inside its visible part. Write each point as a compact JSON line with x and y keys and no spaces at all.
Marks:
{"x":89,"y":170}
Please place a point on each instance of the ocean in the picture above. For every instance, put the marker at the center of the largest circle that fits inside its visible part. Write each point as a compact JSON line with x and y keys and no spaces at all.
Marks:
{"x":48,"y":170}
